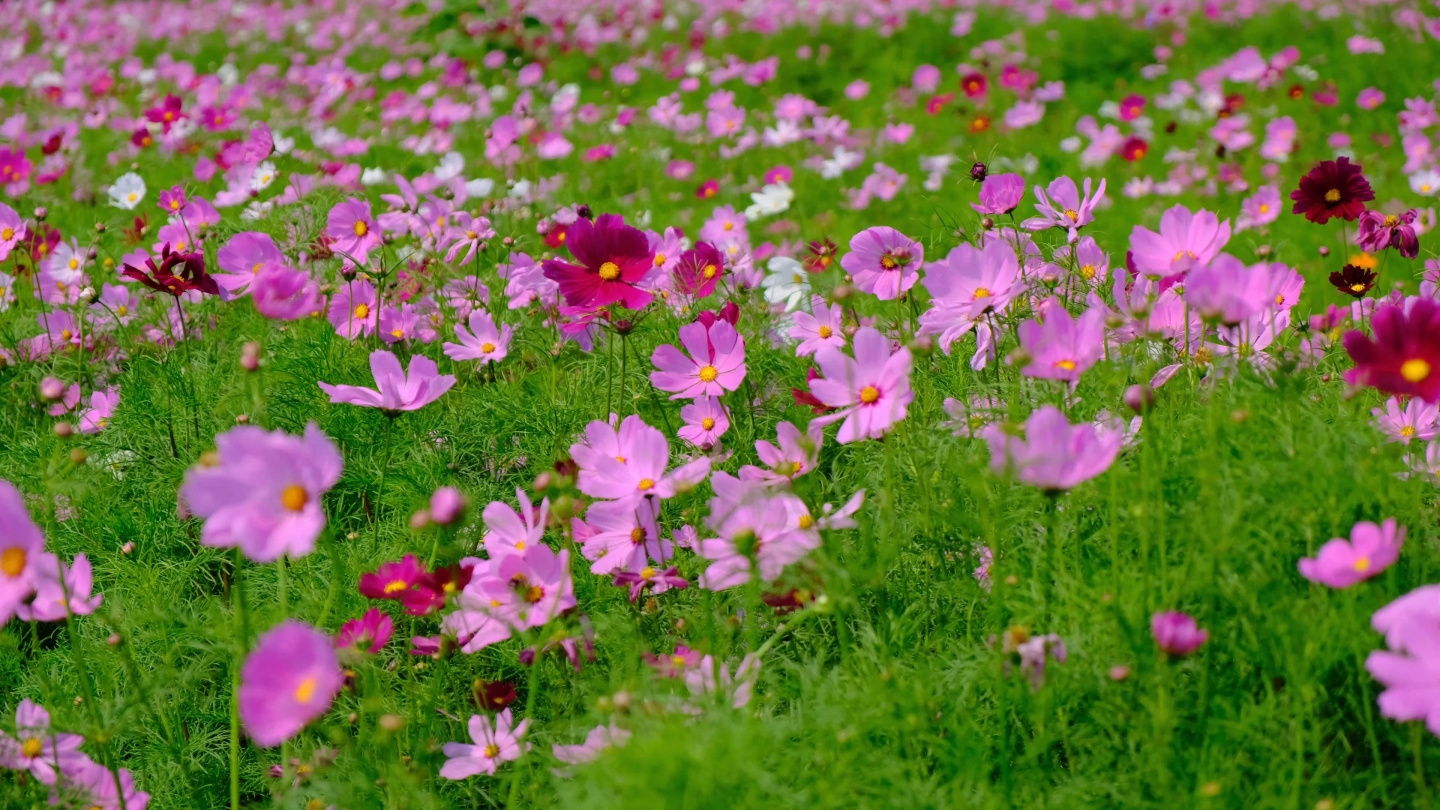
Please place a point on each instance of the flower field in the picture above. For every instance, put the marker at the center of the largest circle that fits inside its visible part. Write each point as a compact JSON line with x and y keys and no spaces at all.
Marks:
{"x":868,"y":403}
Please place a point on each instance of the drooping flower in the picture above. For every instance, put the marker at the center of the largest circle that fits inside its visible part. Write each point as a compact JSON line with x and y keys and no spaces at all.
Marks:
{"x":872,"y":390}
{"x":1370,"y":550}
{"x":261,"y":490}
{"x":613,"y":257}
{"x":1185,"y":240}
{"x":1176,"y":633}
{"x":163,"y":277}
{"x":1061,"y":205}
{"x":1415,"y":420}
{"x":494,"y":745}
{"x":1380,"y":231}
{"x":1404,"y":356}
{"x":399,"y":390}
{"x":1334,"y":188}
{"x":289,"y":680}
{"x":1053,"y":454}
{"x":1062,"y":347}
{"x":482,"y":341}
{"x":716,"y":363}
{"x":883,"y":261}
{"x":1226,"y":290}
{"x":1000,"y":194}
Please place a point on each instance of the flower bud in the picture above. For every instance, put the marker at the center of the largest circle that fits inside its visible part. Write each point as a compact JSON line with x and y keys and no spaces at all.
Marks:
{"x":78,"y":456}
{"x":1139,"y":398}
{"x":978,"y":171}
{"x":64,"y":430}
{"x":447,"y":506}
{"x":51,"y":389}
{"x":987,"y":223}
{"x":41,"y":213}
{"x":1324,"y":251}
{"x":420,"y":520}
{"x":250,"y":356}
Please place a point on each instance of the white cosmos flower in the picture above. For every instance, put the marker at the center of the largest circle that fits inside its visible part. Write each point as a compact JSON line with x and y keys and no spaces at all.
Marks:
{"x":283,"y":144}
{"x":373,"y":176}
{"x":480,"y":187}
{"x":1425,"y":181}
{"x":786,"y":283}
{"x":127,"y":192}
{"x":263,"y":176}
{"x":772,"y":199}
{"x":450,"y":167}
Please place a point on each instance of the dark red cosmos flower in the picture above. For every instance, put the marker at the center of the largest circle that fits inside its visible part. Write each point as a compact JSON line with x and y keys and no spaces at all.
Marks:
{"x":698,"y":270}
{"x":1334,"y":188}
{"x":1134,"y":149}
{"x":163,"y":278}
{"x":1404,"y":357}
{"x":708,"y":189}
{"x":820,"y":255}
{"x":430,"y":592}
{"x":613,"y":257}
{"x":974,"y":85}
{"x":803,"y":397}
{"x":493,"y":696}
{"x":1353,"y":281}
{"x":142,"y":138}
{"x":40,"y":241}
{"x":555,"y":237}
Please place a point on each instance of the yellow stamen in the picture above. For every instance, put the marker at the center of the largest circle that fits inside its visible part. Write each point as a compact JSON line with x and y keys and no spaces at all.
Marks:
{"x":1362,"y":564}
{"x":1332,"y":196}
{"x":294,"y":497}
{"x":869,"y":394}
{"x":361,"y":228}
{"x":824,"y":331}
{"x":362,"y":311}
{"x":12,"y":561}
{"x":609,"y":271}
{"x":396,"y":586}
{"x":707,"y":423}
{"x":305,"y":691}
{"x":487,"y":347}
{"x":1068,"y":365}
{"x":708,"y":373}
{"x":646,"y":484}
{"x":31,"y":748}
{"x":1415,"y":370}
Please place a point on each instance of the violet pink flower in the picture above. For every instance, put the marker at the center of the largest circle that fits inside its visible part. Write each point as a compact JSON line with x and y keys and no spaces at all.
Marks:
{"x":883,"y":261}
{"x":1000,"y":194}
{"x":482,"y":341}
{"x":21,"y":547}
{"x":707,"y":678}
{"x":871,"y":391}
{"x":243,"y":257}
{"x":367,"y":634}
{"x":352,"y":230}
{"x":529,"y":589}
{"x":289,"y":680}
{"x":1053,"y":454}
{"x":596,"y":741}
{"x":965,"y":285}
{"x":53,"y":581}
{"x":38,"y":749}
{"x":354,"y":309}
{"x":392,"y":579}
{"x":1061,"y":205}
{"x":1259,"y":209}
{"x":757,"y":528}
{"x":824,"y":328}
{"x":1380,"y":231}
{"x":630,"y":464}
{"x":1227,"y":291}
{"x":286,"y":294}
{"x":705,"y":422}
{"x":1185,"y":240}
{"x":1176,"y":633}
{"x":716,"y":363}
{"x":1416,"y":420}
{"x":508,"y":531}
{"x":798,"y":453}
{"x":1370,"y":550}
{"x":1062,"y":347}
{"x":1410,"y":669}
{"x":102,"y":406}
{"x":262,"y":492}
{"x":398,"y":390}
{"x":657,"y":580}
{"x":494,"y":745}
{"x":623,"y":536}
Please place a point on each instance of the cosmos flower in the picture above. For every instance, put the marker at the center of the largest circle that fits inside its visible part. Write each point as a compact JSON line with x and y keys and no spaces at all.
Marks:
{"x":1061,"y":205}
{"x":883,"y":262}
{"x":398,"y":390}
{"x":1370,"y":550}
{"x":37,"y":748}
{"x":822,"y":327}
{"x":1176,"y":633}
{"x":1226,"y":290}
{"x":494,"y":745}
{"x":289,"y":680}
{"x":716,"y":363}
{"x":1416,"y":419}
{"x":127,"y":192}
{"x":1052,"y":454}
{"x":596,"y":741}
{"x":1185,"y":240}
{"x":1380,"y":231}
{"x":613,"y":257}
{"x":1000,"y":194}
{"x":392,"y":579}
{"x":705,"y":422}
{"x":1353,"y":281}
{"x":352,"y":230}
{"x":1062,"y":347}
{"x":1334,"y":188}
{"x":21,"y":547}
{"x":1404,"y":356}
{"x":367,"y":634}
{"x":102,"y":406}
{"x":871,"y":391}
{"x":53,"y":582}
{"x":482,"y":341}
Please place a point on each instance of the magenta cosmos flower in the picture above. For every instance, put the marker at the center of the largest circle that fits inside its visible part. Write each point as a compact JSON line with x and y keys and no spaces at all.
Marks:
{"x":493,"y":745}
{"x":354,"y":309}
{"x":286,"y":294}
{"x":289,"y":680}
{"x":398,"y":390}
{"x":1053,"y":454}
{"x":630,"y":463}
{"x":1370,"y":550}
{"x":705,"y":422}
{"x":872,"y":391}
{"x":529,"y":589}
{"x":102,"y":406}
{"x":613,"y":258}
{"x":243,"y":257}
{"x":1062,"y":347}
{"x":1185,"y":240}
{"x":508,"y":531}
{"x":352,"y":230}
{"x":716,"y":363}
{"x":1061,"y":205}
{"x":38,"y":749}
{"x":482,"y":341}
{"x":1176,"y":633}
{"x":21,"y":546}
{"x":367,"y":634}
{"x":261,"y":490}
{"x":1404,"y":356}
{"x":1227,"y":291}
{"x":392,"y":579}
{"x":599,"y":738}
{"x":1000,"y":194}
{"x":1380,"y":231}
{"x":883,"y":261}
{"x":965,"y":285}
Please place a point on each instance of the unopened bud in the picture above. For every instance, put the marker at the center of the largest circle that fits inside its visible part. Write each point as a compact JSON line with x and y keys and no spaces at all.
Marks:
{"x":1324,"y":251}
{"x":113,"y":640}
{"x":41,"y":213}
{"x":250,"y":356}
{"x":447,"y":505}
{"x":1139,"y":398}
{"x":391,"y":722}
{"x":543,"y":481}
{"x":64,"y":430}
{"x":623,"y":702}
{"x":420,"y":520}
{"x":99,"y":227}
{"x":128,"y":547}
{"x":79,"y":456}
{"x":1262,"y":251}
{"x":1119,"y":673}
{"x":51,"y":389}
{"x":978,"y":171}
{"x":987,"y":223}
{"x":841,"y":292}
{"x":508,"y":241}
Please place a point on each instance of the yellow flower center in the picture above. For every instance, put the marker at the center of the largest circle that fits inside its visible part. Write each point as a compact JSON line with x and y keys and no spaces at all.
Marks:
{"x":869,"y":394}
{"x":1332,"y":196}
{"x":1068,"y":365}
{"x":122,"y":310}
{"x":7,"y":234}
{"x":708,"y":373}
{"x":888,"y":262}
{"x":294,"y":497}
{"x":1088,"y":271}
{"x":1264,"y":208}
{"x":1391,"y":220}
{"x":709,"y":271}
{"x":396,"y":586}
{"x":362,"y":311}
{"x":1279,"y":299}
{"x":31,"y":748}
{"x":806,"y":521}
{"x":637,"y":536}
{"x":1407,"y":431}
{"x":609,"y":271}
{"x":1072,"y":215}
{"x":1415,"y":370}
{"x":729,"y":226}
{"x":12,"y":561}
{"x":677,"y":660}
{"x":471,"y":235}
{"x":1362,"y":564}
{"x":492,"y":750}
{"x":707,"y":423}
{"x":361,"y":228}
{"x":74,"y":264}
{"x":647,"y":572}
{"x":824,"y":331}
{"x":66,"y":334}
{"x":659,"y":259}
{"x":305,"y":691}
{"x":487,"y":347}
{"x":981,"y":292}
{"x":646,"y":484}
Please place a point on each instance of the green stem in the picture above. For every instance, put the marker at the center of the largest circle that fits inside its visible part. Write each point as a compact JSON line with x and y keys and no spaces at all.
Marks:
{"x":530,"y":690}
{"x":237,"y":602}
{"x":380,"y":492}
{"x":100,"y":735}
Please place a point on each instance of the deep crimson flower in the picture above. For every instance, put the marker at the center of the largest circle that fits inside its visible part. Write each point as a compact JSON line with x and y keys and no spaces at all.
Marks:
{"x":432,"y":590}
{"x":820,"y":256}
{"x":1353,"y":281}
{"x":142,"y":138}
{"x":40,"y":241}
{"x":708,"y":189}
{"x":555,"y":237}
{"x":1404,"y":356}
{"x":1134,"y":149}
{"x":804,"y":397}
{"x":493,"y":696}
{"x":698,"y":270}
{"x":614,"y":257}
{"x":1334,"y":188}
{"x":162,"y":278}
{"x":974,"y":85}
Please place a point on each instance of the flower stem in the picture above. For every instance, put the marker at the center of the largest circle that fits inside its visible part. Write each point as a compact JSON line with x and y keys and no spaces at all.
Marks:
{"x":237,"y":602}
{"x":380,"y":492}
{"x":530,"y":690}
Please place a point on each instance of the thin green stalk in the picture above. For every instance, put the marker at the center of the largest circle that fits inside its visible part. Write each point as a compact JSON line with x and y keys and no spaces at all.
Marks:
{"x":384,"y":470}
{"x":530,"y":690}
{"x":237,"y":602}
{"x":100,"y":734}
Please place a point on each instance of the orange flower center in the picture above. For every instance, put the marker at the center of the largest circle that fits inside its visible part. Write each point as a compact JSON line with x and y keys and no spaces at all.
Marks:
{"x":12,"y":561}
{"x":1332,"y":196}
{"x":361,"y":228}
{"x":824,"y":331}
{"x":1415,"y":370}
{"x":869,"y":394}
{"x":294,"y":497}
{"x":707,"y":423}
{"x":609,"y":271}
{"x":708,"y":373}
{"x":362,"y":311}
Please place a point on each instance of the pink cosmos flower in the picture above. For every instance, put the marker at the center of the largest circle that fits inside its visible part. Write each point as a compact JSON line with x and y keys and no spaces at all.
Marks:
{"x":1053,"y":454}
{"x":493,"y":745}
{"x":705,"y":422}
{"x":447,"y":505}
{"x":798,"y":453}
{"x":529,"y":589}
{"x":630,"y":464}
{"x":102,"y":406}
{"x":1411,"y":667}
{"x":1176,"y":633}
{"x":965,"y":285}
{"x":21,"y":547}
{"x":1259,"y":209}
{"x":289,"y":680}
{"x":12,"y":230}
{"x":760,"y":529}
{"x":657,"y":580}
{"x":263,"y":492}
{"x":824,"y":329}
{"x":613,"y":257}
{"x":352,"y":230}
{"x":857,"y":89}
{"x":468,"y":233}
{"x":172,"y":199}
{"x":105,"y":789}
{"x":510,"y":532}
{"x":707,"y":678}
{"x":1417,"y":419}
{"x":1061,"y":347}
{"x":623,"y":536}
{"x":872,"y":391}
{"x":353,"y":310}
{"x":883,"y":261}
{"x":1370,"y":98}
{"x":1397,"y":231}
{"x":1061,"y":205}
{"x":38,"y":749}
{"x":596,"y":741}
{"x":482,"y":341}
{"x":243,"y":257}
{"x":398,"y":390}
{"x":1227,"y":291}
{"x":1000,"y":194}
{"x":286,"y":294}
{"x":1185,"y":240}
{"x":392,"y":579}
{"x":367,"y":634}
{"x":53,"y":581}
{"x":716,"y":363}
{"x":1370,"y":550}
